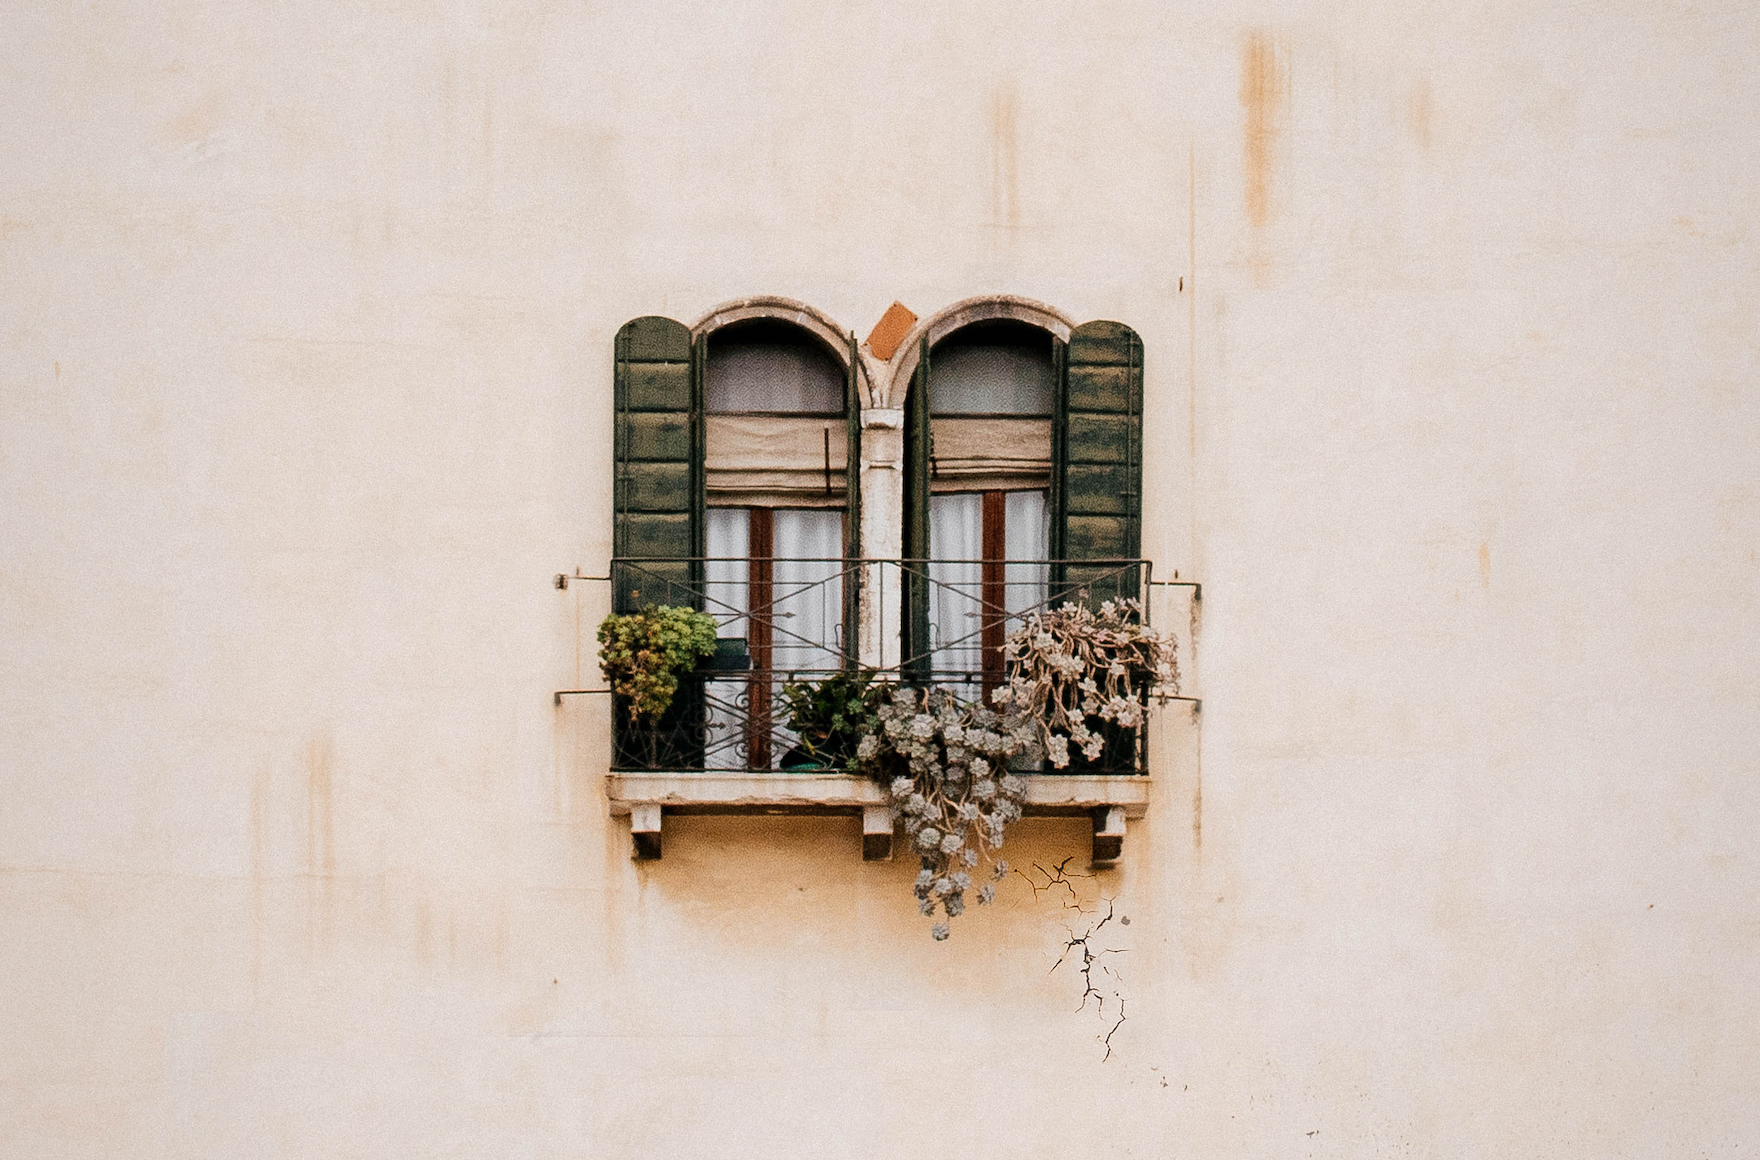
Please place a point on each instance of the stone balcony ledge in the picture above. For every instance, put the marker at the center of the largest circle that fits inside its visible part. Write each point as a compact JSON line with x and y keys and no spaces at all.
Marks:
{"x":646,"y":797}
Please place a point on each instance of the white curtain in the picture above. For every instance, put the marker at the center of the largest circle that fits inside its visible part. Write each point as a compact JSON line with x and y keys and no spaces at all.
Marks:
{"x":808,"y":589}
{"x":724,"y":576}
{"x":956,"y":543}
{"x":725,"y":598}
{"x":1027,"y":539}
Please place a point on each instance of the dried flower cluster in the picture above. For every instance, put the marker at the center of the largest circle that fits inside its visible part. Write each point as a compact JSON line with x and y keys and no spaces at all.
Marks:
{"x":945,"y":765}
{"x":1071,"y":664}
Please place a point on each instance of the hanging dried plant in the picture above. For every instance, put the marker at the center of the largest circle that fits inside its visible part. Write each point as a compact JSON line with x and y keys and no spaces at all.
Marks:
{"x":1070,"y":667}
{"x":944,"y":763}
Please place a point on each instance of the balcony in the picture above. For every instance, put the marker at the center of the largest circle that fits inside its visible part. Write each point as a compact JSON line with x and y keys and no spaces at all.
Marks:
{"x":725,"y":747}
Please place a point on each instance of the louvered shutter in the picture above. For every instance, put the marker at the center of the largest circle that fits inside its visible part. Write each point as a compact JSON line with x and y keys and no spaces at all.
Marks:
{"x":658,"y":488}
{"x":1097,"y":462}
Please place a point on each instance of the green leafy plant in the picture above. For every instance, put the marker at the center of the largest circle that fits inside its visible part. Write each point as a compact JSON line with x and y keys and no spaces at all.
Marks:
{"x":643,"y":654}
{"x":832,"y":715}
{"x":1072,"y":667}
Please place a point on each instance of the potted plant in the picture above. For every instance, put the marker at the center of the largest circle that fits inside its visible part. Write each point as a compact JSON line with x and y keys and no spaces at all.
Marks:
{"x":830,"y":717}
{"x":643,"y":654}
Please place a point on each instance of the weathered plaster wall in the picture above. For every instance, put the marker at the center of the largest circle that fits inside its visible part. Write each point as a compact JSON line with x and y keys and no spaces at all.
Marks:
{"x":305,"y":325}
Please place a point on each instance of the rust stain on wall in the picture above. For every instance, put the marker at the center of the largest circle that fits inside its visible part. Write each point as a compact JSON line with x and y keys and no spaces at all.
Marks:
{"x":1485,"y":564}
{"x":1418,"y":112}
{"x":1264,"y":96}
{"x":320,"y":821}
{"x":1198,"y":819}
{"x":259,"y":804}
{"x":320,"y":866}
{"x":424,"y":933}
{"x":1004,"y":146}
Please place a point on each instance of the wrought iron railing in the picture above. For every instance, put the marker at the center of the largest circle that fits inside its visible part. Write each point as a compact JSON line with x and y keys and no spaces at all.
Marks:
{"x":925,"y":623}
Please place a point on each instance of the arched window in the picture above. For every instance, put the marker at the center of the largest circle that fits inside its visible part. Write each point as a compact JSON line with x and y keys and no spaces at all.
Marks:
{"x":1021,"y":487}
{"x":776,"y":450}
{"x":732,"y":496}
{"x":1023,"y":483}
{"x":992,"y":391}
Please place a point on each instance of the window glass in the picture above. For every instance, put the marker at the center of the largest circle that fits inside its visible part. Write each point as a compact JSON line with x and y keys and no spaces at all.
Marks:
{"x":1028,"y":536}
{"x":765,"y":365}
{"x":999,"y":367}
{"x":956,"y":547}
{"x":808,"y":588}
{"x":726,"y":572}
{"x":775,"y":580}
{"x":957,"y":596}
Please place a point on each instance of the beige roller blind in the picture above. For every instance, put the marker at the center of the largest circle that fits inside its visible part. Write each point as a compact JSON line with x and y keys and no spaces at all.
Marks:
{"x":779,"y":458}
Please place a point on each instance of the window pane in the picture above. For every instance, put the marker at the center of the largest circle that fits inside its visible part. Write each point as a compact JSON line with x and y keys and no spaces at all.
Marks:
{"x":992,"y":368}
{"x":725,"y":574}
{"x":726,"y":599}
{"x":770,"y":366}
{"x":808,"y":589}
{"x":956,"y":542}
{"x":1028,"y":538}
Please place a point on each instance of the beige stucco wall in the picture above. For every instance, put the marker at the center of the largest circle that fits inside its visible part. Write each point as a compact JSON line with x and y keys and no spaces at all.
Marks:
{"x":305,"y":326}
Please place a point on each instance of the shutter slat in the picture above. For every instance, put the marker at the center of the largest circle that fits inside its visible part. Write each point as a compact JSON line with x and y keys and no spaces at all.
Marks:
{"x":914,"y":589}
{"x":654,"y":339}
{"x":1099,"y":388}
{"x":852,"y":506}
{"x":1104,"y":342}
{"x":1099,"y":489}
{"x":655,"y":435}
{"x":1095,"y":438}
{"x":659,"y":387}
{"x":655,"y":487}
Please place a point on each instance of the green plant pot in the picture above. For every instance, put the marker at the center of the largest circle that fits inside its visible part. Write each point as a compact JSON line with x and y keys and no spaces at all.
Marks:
{"x":730,"y":656}
{"x":798,"y":760}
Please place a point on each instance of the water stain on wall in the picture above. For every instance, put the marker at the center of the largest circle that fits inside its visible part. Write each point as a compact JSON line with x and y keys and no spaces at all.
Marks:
{"x":1265,"y":97}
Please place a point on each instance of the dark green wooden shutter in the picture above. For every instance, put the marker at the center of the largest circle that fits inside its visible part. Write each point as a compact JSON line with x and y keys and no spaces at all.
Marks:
{"x":658,"y":488}
{"x":1097,"y":463}
{"x":852,"y":508}
{"x":915,"y":587}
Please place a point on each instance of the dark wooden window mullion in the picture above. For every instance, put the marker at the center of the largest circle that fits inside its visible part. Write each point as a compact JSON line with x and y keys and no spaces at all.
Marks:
{"x":915,"y":658}
{"x":760,"y":596}
{"x":994,"y":587}
{"x":852,"y":508}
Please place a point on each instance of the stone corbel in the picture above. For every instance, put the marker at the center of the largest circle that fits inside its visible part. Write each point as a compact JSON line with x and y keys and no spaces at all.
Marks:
{"x":1108,"y":834}
{"x":644,"y":829}
{"x":876,"y":834}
